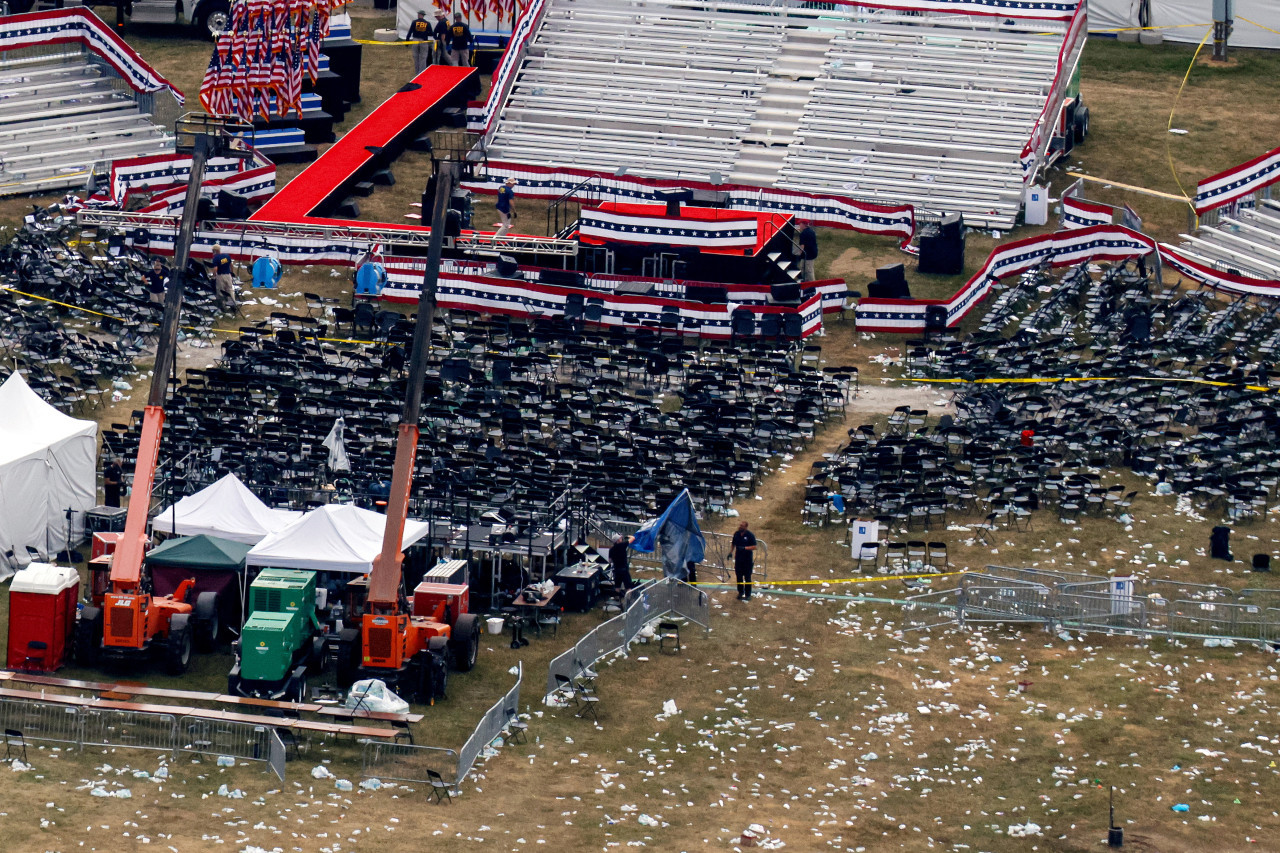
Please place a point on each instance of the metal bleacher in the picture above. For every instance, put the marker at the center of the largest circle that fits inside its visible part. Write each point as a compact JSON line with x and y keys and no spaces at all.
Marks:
{"x":1246,"y":243}
{"x":927,"y":109}
{"x":62,"y":114}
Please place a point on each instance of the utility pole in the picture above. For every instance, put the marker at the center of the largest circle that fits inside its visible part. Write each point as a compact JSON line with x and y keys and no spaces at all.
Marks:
{"x":1223,"y":20}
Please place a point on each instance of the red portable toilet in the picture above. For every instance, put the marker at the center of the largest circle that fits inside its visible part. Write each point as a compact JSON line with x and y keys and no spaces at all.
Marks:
{"x":42,"y":610}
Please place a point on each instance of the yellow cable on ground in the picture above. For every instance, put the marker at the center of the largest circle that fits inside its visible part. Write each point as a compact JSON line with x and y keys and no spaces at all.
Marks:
{"x":184,"y":328}
{"x":1168,"y":148}
{"x":1129,"y":187}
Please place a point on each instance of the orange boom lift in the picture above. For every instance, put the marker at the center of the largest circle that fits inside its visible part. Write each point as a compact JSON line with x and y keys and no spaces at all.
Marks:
{"x":125,"y":619}
{"x":403,"y":646}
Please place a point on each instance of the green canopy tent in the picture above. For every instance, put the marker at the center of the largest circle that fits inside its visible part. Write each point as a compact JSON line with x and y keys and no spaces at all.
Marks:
{"x":216,"y":564}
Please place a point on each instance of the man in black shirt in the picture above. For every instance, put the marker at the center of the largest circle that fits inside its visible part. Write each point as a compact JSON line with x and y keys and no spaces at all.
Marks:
{"x":459,"y":41}
{"x":223,"y":281}
{"x":111,"y":478}
{"x":808,"y":239}
{"x":421,"y":35}
{"x":744,"y":555}
{"x":157,"y":280}
{"x":620,"y":557}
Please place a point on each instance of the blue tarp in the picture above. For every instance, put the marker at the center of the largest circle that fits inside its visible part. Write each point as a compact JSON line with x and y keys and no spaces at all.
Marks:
{"x":677,"y":531}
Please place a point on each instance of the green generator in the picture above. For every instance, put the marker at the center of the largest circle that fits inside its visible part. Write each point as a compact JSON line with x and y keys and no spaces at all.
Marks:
{"x":280,"y":637}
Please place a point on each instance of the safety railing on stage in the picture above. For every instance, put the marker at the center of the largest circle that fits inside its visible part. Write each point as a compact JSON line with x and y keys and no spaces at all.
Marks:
{"x":407,"y":762}
{"x":644,"y":604}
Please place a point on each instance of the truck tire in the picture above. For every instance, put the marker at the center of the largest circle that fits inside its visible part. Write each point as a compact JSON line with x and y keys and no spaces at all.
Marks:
{"x":88,"y":637}
{"x":233,"y":681}
{"x":206,"y":618}
{"x":297,"y":689}
{"x":212,"y":17}
{"x":465,"y":642}
{"x":177,"y":651}
{"x":315,"y":659}
{"x":1081,"y":129}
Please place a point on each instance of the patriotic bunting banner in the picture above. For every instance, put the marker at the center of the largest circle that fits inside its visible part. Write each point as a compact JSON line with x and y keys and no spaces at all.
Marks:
{"x":81,"y":26}
{"x":835,"y":211}
{"x":257,"y":65}
{"x":480,"y":116}
{"x":1043,"y":10}
{"x":1232,"y":281}
{"x":1101,"y":243}
{"x":1050,"y":114}
{"x":634,"y":228}
{"x":1234,"y":184}
{"x":1078,"y":213}
{"x":161,"y":180}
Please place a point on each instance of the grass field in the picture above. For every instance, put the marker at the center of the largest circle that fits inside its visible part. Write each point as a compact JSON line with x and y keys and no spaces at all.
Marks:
{"x":805,"y":713}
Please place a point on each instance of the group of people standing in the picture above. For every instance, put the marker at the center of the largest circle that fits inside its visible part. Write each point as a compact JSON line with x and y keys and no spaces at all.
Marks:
{"x":444,"y":43}
{"x":743,"y":547}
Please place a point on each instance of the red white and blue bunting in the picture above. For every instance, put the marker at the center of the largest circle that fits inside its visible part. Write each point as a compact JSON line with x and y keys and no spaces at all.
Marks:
{"x":1236,"y":183}
{"x":1063,"y":248}
{"x":480,"y":116}
{"x":162,"y":180}
{"x":835,"y":211}
{"x":1069,"y":52}
{"x":1078,"y":213}
{"x":81,"y":26}
{"x":635,"y":228}
{"x":1042,"y":10}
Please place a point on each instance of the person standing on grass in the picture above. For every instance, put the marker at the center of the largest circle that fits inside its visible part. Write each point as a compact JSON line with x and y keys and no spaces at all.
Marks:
{"x":808,"y":241}
{"x":222,"y":279}
{"x":423,"y":39}
{"x":744,"y":555}
{"x":112,"y":477}
{"x":157,"y":281}
{"x":506,"y":197}
{"x":620,"y":557}
{"x":459,"y":41}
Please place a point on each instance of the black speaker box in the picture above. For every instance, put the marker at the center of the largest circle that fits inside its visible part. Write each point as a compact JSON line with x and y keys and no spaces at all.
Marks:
{"x":232,"y":206}
{"x":941,"y":255}
{"x":706,"y":295}
{"x":562,"y":278}
{"x":785,"y":292}
{"x":507,"y":266}
{"x":894,"y":275}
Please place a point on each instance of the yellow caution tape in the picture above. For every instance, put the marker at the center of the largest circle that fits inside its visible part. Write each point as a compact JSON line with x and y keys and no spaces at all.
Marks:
{"x":1049,"y":380}
{"x":1129,"y":187}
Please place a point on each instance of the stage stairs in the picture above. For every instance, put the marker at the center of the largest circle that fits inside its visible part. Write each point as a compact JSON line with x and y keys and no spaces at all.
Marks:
{"x":781,"y":104}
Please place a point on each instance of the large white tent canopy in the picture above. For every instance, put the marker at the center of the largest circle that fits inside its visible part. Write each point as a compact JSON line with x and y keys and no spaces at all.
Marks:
{"x":1187,"y":20}
{"x":226,"y":509}
{"x":333,"y":538}
{"x":48,"y":465}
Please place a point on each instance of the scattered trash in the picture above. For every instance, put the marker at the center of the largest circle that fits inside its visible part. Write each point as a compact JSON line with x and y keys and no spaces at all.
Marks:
{"x":226,"y":761}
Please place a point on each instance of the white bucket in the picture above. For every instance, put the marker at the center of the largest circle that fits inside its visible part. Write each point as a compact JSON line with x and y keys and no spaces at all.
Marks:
{"x":494,"y":625}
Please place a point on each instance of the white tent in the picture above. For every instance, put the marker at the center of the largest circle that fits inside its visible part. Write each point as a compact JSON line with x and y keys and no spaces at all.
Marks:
{"x":226,"y":509}
{"x":48,"y":464}
{"x":1187,"y":20}
{"x":333,"y":538}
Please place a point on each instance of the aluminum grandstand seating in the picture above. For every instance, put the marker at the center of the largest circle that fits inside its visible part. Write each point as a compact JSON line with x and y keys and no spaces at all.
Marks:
{"x":61,"y":115}
{"x":932,"y":110}
{"x":1247,"y":243}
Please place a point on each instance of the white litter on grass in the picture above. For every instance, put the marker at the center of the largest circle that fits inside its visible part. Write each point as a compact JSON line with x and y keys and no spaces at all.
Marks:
{"x":1024,"y":830}
{"x":669,"y":709}
{"x":18,"y":767}
{"x":321,"y":772}
{"x":343,"y":785}
{"x":371,"y":784}
{"x":647,"y":820}
{"x":232,"y":793}
{"x":226,"y":761}
{"x":122,"y":794}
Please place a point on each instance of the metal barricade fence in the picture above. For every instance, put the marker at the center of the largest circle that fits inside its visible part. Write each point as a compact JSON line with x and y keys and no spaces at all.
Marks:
{"x":988,"y":599}
{"x":644,"y":604}
{"x":130,"y":729}
{"x":48,"y":721}
{"x":1181,"y":591}
{"x":1049,"y":578}
{"x":404,"y":762}
{"x":1244,"y":622}
{"x":201,"y":735}
{"x":488,"y":729}
{"x":1093,"y":611}
{"x":934,"y":609}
